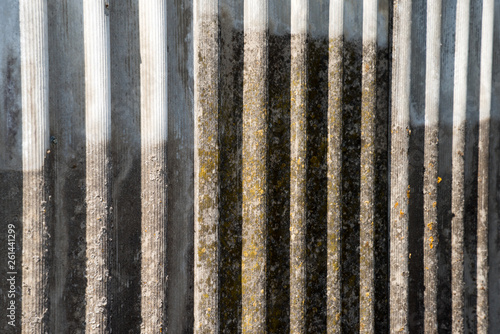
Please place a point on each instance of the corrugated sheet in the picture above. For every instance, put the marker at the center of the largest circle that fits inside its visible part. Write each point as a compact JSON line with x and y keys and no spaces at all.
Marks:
{"x":250,"y":166}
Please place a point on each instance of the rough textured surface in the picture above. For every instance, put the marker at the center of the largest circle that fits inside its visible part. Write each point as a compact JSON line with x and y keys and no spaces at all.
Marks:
{"x":298,"y":143}
{"x":36,"y":166}
{"x":298,"y":155}
{"x":98,"y":164}
{"x":399,"y":200}
{"x":154,"y":131}
{"x":367,"y":169}
{"x":334,"y":160}
{"x":483,"y":165}
{"x":98,"y":199}
{"x":458,"y":148}
{"x":35,"y":252}
{"x":255,"y":115}
{"x":152,"y":19}
{"x":206,"y":164}
{"x":431,"y":237}
{"x":367,"y":193}
{"x":342,"y":185}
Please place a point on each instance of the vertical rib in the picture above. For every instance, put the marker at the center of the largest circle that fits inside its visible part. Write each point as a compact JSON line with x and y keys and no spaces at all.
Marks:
{"x":399,"y":202}
{"x":153,"y":49}
{"x":334,"y":215}
{"x":367,"y":191}
{"x":458,"y":147}
{"x":206,"y":164}
{"x":98,"y":131}
{"x":432,"y":84}
{"x":35,"y":144}
{"x":254,"y":174}
{"x":298,"y":148}
{"x":483,"y":164}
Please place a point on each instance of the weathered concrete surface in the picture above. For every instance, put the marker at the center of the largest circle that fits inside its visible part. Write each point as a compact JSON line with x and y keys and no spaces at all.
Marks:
{"x":298,"y":155}
{"x":334,"y":160}
{"x":206,"y":167}
{"x":154,"y":131}
{"x":254,"y":173}
{"x":367,"y":169}
{"x":458,"y":148}
{"x":399,"y":201}
{"x":430,"y":244}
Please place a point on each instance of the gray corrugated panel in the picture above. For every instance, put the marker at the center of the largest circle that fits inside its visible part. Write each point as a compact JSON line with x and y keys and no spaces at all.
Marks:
{"x":249,"y":166}
{"x":367,"y":166}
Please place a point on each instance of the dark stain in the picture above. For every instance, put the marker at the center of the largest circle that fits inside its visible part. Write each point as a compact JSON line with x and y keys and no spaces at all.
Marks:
{"x":278,"y":166}
{"x":11,"y":183}
{"x":351,"y":155}
{"x":12,"y":106}
{"x":125,"y":247}
{"x":416,"y":168}
{"x":180,"y":151}
{"x":316,"y":184}
{"x":470,"y":156}
{"x":230,"y":134}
